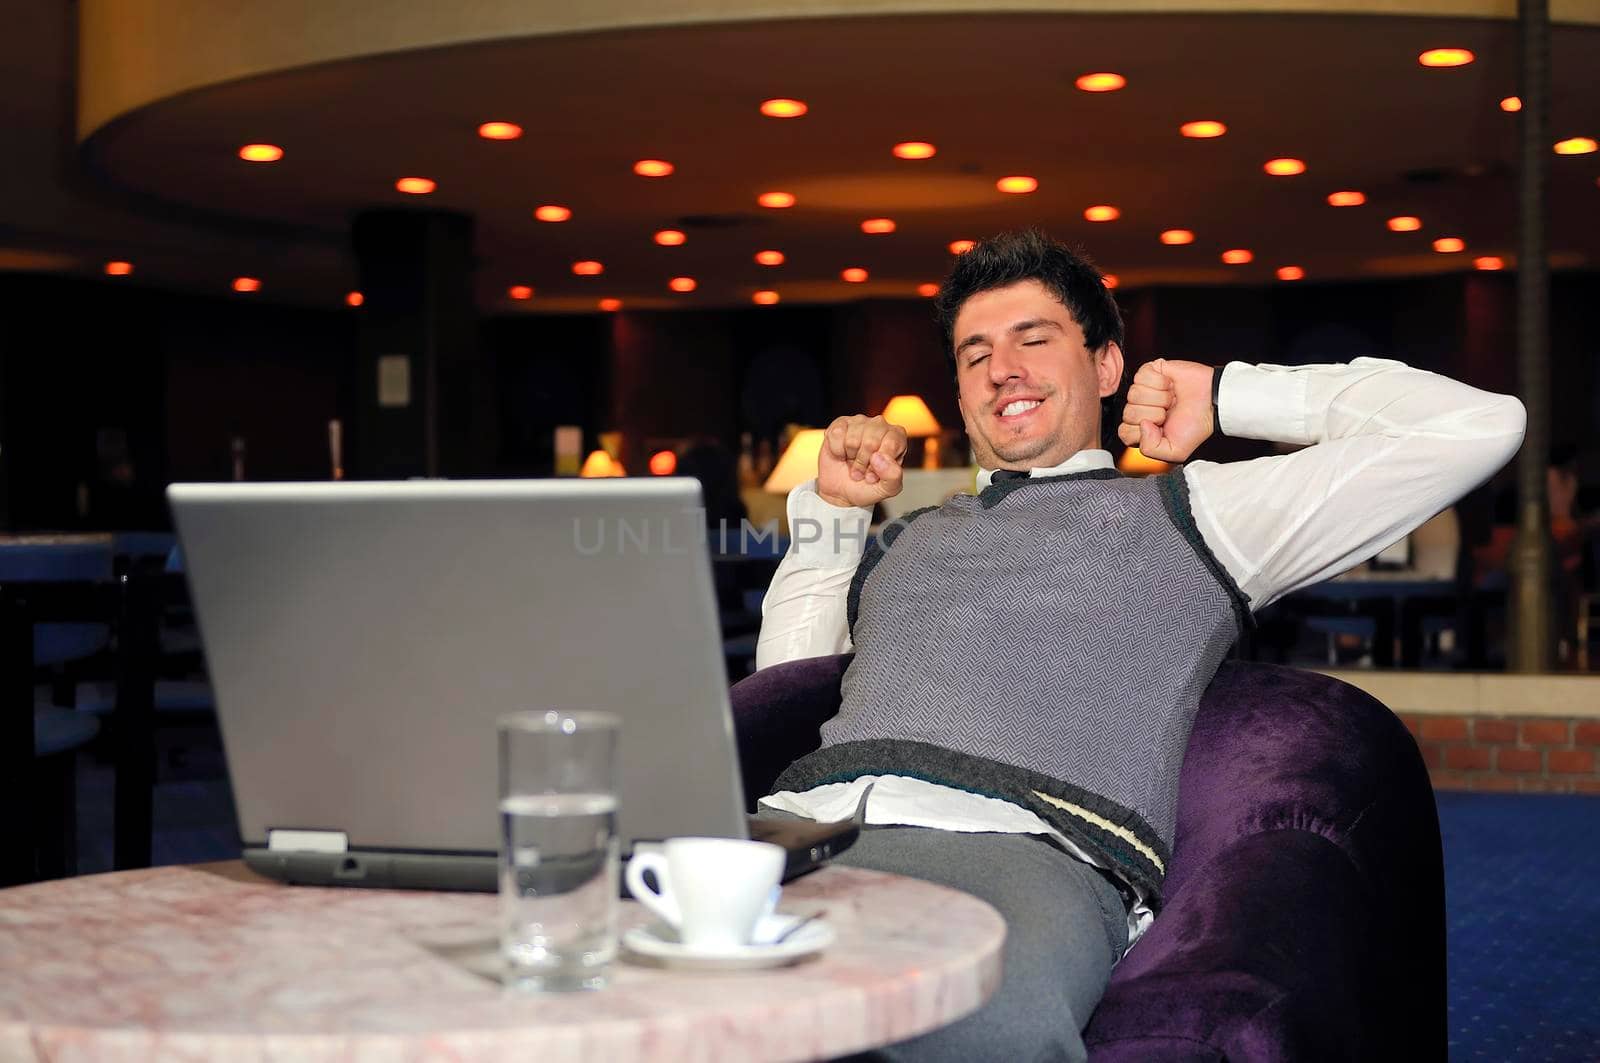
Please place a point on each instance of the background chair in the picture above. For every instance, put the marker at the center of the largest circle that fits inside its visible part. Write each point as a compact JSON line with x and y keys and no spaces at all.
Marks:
{"x":40,"y":744}
{"x":1304,"y":914}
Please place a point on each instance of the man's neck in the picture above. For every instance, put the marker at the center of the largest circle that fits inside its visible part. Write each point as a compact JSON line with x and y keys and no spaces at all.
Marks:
{"x":1082,"y":461}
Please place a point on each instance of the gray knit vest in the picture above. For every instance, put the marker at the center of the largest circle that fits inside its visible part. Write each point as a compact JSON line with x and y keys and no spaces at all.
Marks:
{"x":1045,"y":642}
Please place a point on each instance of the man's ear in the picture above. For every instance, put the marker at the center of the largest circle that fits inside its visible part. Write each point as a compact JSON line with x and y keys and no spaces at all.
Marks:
{"x":1109,"y":370}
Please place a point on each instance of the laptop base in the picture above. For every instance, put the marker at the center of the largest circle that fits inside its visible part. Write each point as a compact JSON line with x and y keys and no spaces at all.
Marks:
{"x":808,"y":846}
{"x":379,"y":870}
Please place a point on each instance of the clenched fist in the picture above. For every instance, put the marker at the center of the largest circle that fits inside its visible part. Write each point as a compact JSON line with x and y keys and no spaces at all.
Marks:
{"x":860,"y":461}
{"x":1169,"y":411}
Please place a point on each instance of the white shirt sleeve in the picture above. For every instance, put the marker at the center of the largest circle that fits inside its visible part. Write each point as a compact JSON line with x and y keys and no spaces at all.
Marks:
{"x":1386,"y":447}
{"x":805,"y":612}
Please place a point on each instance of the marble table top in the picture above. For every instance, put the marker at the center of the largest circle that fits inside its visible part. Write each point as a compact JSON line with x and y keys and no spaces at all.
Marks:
{"x":186,"y":963}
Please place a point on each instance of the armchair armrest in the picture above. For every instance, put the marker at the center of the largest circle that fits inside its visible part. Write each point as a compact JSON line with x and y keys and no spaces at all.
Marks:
{"x":1269,"y":954}
{"x":777,"y":713}
{"x":1304,"y":911}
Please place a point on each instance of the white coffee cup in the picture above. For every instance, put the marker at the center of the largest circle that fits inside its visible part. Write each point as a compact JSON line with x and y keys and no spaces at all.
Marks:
{"x":713,"y":890}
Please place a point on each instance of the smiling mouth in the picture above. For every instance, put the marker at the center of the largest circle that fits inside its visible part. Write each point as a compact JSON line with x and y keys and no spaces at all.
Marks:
{"x":1018,"y":408}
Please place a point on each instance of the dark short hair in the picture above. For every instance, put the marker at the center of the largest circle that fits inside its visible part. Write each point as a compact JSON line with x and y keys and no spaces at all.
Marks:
{"x":1066,"y":273}
{"x":1031,"y":255}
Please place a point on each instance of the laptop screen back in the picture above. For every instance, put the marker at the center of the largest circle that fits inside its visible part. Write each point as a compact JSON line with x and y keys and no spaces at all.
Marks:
{"x":363,"y":638}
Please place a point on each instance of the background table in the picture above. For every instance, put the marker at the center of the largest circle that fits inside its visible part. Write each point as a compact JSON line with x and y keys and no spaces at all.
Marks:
{"x":192,"y":963}
{"x":1395,"y":604}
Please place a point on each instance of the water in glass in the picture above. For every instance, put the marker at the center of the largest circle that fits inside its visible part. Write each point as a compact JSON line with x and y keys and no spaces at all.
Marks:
{"x":559,"y":888}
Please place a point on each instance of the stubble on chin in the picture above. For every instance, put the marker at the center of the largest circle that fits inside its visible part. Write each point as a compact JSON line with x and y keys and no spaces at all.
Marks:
{"x":1022,"y":450}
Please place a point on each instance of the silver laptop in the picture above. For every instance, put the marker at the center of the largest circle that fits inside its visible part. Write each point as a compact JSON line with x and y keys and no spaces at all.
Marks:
{"x":362,"y":639}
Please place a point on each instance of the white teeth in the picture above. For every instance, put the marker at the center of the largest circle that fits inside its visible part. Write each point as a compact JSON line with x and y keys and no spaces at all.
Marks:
{"x":1020,"y":406}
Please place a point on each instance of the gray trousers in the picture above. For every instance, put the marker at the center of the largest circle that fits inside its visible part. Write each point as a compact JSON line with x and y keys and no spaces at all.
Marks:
{"x":1065,"y":928}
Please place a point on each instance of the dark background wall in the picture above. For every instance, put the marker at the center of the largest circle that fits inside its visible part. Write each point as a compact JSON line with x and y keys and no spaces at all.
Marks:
{"x":110,"y":391}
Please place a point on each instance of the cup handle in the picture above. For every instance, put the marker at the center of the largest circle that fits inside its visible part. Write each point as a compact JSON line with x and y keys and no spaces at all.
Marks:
{"x":662,"y":902}
{"x":772,"y":903}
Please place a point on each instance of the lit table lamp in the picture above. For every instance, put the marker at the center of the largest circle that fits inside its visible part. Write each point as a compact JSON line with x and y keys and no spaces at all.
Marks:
{"x":1134,"y":463}
{"x":912,"y":414}
{"x":599,"y":463}
{"x":798,"y":463}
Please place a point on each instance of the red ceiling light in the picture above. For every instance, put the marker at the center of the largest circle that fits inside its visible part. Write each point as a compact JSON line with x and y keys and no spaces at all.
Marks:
{"x":1405,"y":223}
{"x":588,"y":268}
{"x":1446,"y":57}
{"x":1284,"y":167}
{"x":961,"y":247}
{"x":854,"y":275}
{"x":670,"y":238}
{"x":1576,"y":146}
{"x":1109,"y":280}
{"x":915,"y":149}
{"x":261,"y":153}
{"x":784,"y":108}
{"x":663,"y":463}
{"x":1511,"y":104}
{"x":776,"y":200}
{"x":1204,"y":129}
{"x":416,"y":186}
{"x":118,"y":269}
{"x":499,"y":131}
{"x":653,"y":168}
{"x":682,"y":284}
{"x":246,"y":284}
{"x":1103,"y":212}
{"x":769,"y":258}
{"x":1018,"y":185}
{"x":927,"y":291}
{"x":1449,"y":245}
{"x":1291,"y":273}
{"x":551,"y":212}
{"x":611,"y":306}
{"x":1238,"y":256}
{"x":354,"y":299}
{"x":1489,"y":262}
{"x":764,"y":298}
{"x":1102,"y":82}
{"x":520,"y":291}
{"x":1177,"y":236}
{"x":878,"y":225}
{"x":1346,"y":199}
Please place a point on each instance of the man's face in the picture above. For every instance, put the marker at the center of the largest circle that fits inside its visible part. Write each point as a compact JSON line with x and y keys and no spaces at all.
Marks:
{"x":1029,"y":389}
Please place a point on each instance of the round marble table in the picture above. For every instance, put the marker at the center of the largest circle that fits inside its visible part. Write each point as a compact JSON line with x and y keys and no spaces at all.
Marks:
{"x":212,"y":963}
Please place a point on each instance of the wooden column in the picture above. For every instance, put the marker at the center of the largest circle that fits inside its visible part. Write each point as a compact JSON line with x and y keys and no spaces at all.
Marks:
{"x":1531,"y":555}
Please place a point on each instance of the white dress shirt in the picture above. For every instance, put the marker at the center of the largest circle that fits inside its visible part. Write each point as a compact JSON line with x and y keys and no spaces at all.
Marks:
{"x":1386,"y":447}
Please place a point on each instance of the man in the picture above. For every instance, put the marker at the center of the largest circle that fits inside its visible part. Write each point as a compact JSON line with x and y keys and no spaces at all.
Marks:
{"x":1029,"y":660}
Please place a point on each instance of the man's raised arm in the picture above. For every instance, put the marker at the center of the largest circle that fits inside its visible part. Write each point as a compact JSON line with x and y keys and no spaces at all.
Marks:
{"x":1386,"y":447}
{"x":805,"y":612}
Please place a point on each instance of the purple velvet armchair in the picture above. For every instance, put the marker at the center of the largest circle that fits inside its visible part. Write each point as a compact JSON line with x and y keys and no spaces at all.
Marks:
{"x":1304,"y":912}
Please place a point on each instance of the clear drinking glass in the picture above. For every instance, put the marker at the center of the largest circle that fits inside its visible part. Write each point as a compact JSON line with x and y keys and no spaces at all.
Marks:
{"x":558,"y":848}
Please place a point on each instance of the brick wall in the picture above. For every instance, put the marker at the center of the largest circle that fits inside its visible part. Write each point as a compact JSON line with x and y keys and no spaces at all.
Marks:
{"x":1509,"y":754}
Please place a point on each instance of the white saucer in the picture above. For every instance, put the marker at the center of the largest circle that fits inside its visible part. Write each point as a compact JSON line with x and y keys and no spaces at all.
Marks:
{"x":660,"y":943}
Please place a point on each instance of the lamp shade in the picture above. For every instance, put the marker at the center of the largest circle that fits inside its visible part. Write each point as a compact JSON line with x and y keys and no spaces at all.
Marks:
{"x":798,"y":463}
{"x":1134,"y":463}
{"x":912,"y":414}
{"x":599,"y":463}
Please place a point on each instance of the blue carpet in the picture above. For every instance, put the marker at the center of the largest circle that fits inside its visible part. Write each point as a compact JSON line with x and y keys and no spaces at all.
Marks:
{"x":1522,"y":901}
